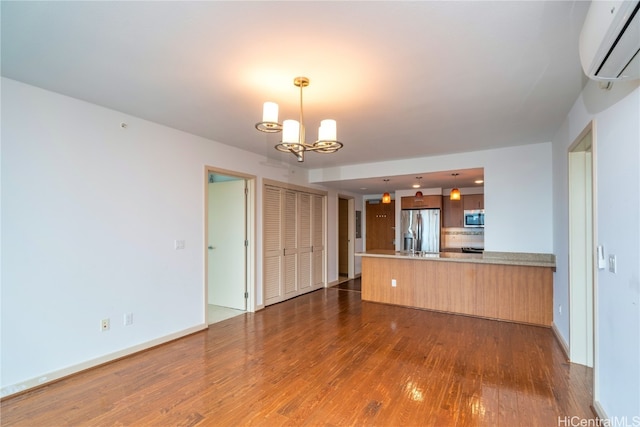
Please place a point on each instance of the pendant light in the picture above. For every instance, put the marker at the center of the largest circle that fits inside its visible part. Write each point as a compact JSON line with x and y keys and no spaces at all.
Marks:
{"x":386,"y":197}
{"x":455,"y":191}
{"x":418,"y":195}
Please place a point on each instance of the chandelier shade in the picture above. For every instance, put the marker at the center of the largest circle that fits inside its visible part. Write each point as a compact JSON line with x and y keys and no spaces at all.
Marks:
{"x":293,"y":132}
{"x":290,"y":132}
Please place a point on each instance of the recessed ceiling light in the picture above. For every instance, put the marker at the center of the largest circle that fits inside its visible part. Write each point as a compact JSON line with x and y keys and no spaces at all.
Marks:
{"x":416,"y":185}
{"x":363,"y":188}
{"x":479,"y":181}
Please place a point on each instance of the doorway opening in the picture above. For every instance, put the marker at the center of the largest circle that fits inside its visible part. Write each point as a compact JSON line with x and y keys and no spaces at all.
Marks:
{"x":229,"y":243}
{"x":346,"y":238}
{"x":582,"y":276}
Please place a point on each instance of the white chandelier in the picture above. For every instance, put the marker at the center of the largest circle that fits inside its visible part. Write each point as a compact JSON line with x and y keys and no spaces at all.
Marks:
{"x":293,"y":138}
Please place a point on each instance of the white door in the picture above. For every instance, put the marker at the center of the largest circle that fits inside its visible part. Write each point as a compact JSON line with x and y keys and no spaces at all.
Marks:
{"x":305,"y":261}
{"x":318,"y":239}
{"x":226,"y":244}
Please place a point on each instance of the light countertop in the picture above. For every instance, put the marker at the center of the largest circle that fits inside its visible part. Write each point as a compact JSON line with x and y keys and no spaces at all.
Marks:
{"x":487,"y":257}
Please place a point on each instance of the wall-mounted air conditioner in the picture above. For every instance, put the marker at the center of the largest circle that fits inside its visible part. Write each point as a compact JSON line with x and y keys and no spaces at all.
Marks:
{"x":610,"y":40}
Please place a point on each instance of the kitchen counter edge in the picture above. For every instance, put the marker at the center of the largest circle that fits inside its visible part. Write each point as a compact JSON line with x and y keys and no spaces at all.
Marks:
{"x":487,"y":257}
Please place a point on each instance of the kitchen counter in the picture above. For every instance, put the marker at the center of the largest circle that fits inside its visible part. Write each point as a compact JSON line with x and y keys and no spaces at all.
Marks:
{"x":505,"y":258}
{"x":514,"y":287}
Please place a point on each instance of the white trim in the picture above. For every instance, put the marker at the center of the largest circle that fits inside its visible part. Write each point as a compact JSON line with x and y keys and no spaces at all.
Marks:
{"x":582,"y":235}
{"x":599,"y":410}
{"x":332,"y":284}
{"x":61,"y":373}
{"x":561,"y":340}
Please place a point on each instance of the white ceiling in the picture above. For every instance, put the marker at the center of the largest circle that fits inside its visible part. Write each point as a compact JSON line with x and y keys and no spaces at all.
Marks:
{"x":403,"y":79}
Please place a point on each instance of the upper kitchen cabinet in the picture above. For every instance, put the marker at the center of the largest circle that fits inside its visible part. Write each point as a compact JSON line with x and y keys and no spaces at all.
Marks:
{"x":451,"y":212}
{"x":473,"y":201}
{"x":424,"y":202}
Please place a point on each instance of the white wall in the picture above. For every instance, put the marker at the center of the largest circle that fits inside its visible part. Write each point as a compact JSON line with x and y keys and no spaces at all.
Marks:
{"x":517,"y":190}
{"x":90,"y":212}
{"x":616,"y":114}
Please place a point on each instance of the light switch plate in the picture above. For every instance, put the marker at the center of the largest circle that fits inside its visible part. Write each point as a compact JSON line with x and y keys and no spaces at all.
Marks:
{"x":613,"y":268}
{"x":601,"y":261}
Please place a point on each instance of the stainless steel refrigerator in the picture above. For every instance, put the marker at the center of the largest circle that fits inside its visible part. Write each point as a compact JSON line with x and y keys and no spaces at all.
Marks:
{"x":420,"y":230}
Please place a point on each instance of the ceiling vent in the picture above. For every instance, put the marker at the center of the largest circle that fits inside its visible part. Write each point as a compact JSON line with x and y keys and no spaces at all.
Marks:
{"x":610,"y":40}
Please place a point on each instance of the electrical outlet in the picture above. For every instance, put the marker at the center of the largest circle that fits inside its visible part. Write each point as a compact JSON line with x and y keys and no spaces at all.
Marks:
{"x":128,"y":319}
{"x":179,"y":244}
{"x":105,"y":325}
{"x":393,"y":283}
{"x":613,"y":267}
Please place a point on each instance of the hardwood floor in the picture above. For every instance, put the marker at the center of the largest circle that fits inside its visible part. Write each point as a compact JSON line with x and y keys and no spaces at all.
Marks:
{"x":326,"y":358}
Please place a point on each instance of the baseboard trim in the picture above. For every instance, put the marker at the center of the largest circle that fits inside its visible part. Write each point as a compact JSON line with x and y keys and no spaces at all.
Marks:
{"x":342,"y":280}
{"x":24,"y":386}
{"x":561,"y":341}
{"x":599,"y":411}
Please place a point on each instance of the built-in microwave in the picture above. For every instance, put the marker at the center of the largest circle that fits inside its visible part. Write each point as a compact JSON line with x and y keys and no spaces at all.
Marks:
{"x":474,"y":218}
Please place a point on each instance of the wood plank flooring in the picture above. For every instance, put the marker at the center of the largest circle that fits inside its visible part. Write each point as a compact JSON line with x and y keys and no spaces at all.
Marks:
{"x":326,"y":358}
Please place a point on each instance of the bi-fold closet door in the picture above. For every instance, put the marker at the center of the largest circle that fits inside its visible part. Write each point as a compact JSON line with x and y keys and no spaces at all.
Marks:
{"x":294,"y":248}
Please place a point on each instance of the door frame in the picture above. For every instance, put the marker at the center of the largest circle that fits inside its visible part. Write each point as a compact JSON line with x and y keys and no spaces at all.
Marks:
{"x":583,"y":304}
{"x":351,"y":233}
{"x":250,"y":224}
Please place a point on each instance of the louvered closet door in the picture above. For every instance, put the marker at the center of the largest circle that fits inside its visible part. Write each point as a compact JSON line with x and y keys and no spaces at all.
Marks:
{"x":290,"y":228}
{"x":317,"y":240}
{"x":273,"y":248}
{"x":304,"y":242}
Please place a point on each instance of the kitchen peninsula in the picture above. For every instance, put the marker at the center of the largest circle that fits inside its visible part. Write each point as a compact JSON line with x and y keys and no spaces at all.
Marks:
{"x":515,"y":287}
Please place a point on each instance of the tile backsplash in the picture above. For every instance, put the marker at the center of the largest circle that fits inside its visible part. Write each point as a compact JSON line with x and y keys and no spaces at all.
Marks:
{"x":462,"y":238}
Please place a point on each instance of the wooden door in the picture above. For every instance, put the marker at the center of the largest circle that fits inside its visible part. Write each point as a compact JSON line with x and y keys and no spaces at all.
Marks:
{"x":343,"y":237}
{"x":380,"y":229}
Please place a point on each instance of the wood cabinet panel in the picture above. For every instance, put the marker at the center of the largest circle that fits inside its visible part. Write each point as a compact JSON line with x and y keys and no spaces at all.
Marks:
{"x":525,"y":294}
{"x":430,"y":289}
{"x":452,"y":212}
{"x":385,"y":270}
{"x":461,"y":286}
{"x":496,"y":291}
{"x":473,"y":201}
{"x":411,"y":202}
{"x":487,"y":279}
